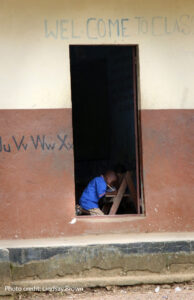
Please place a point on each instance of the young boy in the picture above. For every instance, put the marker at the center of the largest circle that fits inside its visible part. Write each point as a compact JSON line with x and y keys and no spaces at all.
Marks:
{"x":95,"y":190}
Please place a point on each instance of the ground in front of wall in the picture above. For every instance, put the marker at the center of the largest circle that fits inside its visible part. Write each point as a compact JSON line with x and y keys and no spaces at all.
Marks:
{"x":144,"y":292}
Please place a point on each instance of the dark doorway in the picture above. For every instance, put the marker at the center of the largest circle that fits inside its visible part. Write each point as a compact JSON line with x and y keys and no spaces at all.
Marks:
{"x":103,"y":85}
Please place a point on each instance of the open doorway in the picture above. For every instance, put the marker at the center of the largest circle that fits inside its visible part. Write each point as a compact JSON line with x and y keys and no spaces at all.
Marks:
{"x":104,"y":109}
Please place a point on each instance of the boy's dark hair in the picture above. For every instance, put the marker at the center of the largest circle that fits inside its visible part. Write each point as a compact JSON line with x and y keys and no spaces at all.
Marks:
{"x":109,"y":172}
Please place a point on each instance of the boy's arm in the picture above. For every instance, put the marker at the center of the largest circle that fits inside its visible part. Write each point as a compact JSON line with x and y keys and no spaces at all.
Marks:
{"x":100,"y":189}
{"x":101,"y":195}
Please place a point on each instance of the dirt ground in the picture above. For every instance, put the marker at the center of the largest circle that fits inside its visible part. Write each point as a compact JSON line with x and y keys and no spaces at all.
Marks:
{"x":144,"y":292}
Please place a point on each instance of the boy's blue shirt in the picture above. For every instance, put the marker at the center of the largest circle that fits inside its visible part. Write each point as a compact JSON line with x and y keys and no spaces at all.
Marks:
{"x":95,"y":190}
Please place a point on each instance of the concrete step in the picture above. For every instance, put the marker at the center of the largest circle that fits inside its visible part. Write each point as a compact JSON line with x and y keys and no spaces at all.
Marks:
{"x":90,"y":261}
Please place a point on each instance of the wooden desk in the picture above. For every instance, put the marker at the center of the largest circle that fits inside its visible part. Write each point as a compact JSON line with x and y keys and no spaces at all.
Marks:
{"x":118,"y":195}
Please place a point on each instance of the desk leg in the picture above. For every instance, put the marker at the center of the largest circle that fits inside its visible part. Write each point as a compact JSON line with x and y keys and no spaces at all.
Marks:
{"x":117,"y":199}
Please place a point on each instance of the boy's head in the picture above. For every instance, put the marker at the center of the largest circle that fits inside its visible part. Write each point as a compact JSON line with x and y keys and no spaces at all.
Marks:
{"x":110,"y":177}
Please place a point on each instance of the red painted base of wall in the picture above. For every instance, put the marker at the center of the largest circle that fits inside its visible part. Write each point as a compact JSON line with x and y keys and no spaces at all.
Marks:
{"x":37,"y":175}
{"x":36,"y":183}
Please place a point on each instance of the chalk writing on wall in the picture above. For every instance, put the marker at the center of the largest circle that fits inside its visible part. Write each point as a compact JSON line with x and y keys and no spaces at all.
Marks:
{"x":38,"y":142}
{"x":98,"y":28}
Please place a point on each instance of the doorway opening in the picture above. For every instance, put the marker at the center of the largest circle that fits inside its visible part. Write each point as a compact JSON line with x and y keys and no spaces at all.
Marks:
{"x":105,"y":118}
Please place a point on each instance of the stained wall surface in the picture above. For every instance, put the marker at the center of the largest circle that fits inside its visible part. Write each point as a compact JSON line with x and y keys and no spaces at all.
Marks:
{"x":36,"y":145}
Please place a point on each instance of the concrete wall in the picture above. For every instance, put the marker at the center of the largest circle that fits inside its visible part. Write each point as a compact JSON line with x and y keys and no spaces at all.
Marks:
{"x":37,"y":180}
{"x":35,"y":38}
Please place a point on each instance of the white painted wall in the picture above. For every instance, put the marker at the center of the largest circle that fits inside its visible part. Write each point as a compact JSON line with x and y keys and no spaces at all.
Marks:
{"x":34,"y":64}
